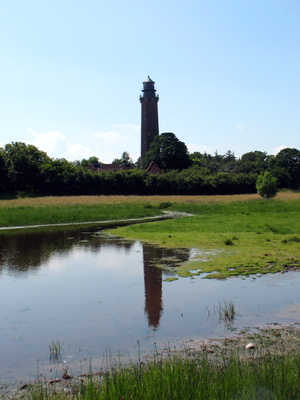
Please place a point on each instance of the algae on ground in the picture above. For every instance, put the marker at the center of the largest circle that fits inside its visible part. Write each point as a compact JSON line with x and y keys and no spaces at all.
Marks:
{"x":239,"y":238}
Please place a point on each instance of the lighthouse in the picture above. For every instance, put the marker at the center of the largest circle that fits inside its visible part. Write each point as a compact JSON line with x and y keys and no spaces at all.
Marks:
{"x":149,"y":115}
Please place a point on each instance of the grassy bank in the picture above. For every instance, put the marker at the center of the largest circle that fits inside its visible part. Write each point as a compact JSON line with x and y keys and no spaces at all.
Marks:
{"x":72,"y":213}
{"x":268,"y":378}
{"x":225,"y":372}
{"x":230,"y":238}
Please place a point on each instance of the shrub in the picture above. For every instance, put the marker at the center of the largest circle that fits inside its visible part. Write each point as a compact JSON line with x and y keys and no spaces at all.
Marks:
{"x":266,"y":185}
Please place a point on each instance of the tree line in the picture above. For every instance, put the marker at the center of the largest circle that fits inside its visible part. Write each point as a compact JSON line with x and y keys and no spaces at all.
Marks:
{"x":24,"y":169}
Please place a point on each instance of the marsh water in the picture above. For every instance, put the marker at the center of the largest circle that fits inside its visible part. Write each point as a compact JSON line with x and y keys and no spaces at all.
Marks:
{"x":100,"y":296}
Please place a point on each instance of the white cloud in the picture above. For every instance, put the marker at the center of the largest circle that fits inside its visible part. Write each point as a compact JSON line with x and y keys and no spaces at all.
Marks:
{"x":121,"y":132}
{"x":130,"y":127}
{"x":76,"y":151}
{"x":240,"y":128}
{"x":278,"y":149}
{"x":49,"y":142}
{"x":122,"y":138}
{"x":106,"y":145}
{"x":110,"y":137}
{"x":56,"y":145}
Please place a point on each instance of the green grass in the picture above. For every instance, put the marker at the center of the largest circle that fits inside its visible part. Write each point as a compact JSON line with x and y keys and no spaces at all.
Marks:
{"x":197,"y":377}
{"x":72,"y":213}
{"x":237,"y":238}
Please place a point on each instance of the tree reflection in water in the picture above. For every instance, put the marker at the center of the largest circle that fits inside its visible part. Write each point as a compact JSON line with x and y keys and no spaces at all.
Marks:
{"x":23,"y":252}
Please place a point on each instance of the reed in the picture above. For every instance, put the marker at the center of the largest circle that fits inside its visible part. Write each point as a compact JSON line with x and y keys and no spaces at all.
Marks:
{"x":226,"y":311}
{"x":55,"y":349}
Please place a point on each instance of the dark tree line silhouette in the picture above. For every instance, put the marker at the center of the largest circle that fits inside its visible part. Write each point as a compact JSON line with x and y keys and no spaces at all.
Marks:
{"x":24,"y":169}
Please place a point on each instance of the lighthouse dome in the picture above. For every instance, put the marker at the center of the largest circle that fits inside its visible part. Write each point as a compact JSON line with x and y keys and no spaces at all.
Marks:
{"x":149,"y":88}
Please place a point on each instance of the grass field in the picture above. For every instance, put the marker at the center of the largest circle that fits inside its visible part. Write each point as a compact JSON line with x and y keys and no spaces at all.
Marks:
{"x":155,"y":200}
{"x":231,"y":238}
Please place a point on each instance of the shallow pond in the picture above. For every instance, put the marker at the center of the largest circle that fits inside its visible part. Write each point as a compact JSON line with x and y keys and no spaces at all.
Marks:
{"x":101,"y":296}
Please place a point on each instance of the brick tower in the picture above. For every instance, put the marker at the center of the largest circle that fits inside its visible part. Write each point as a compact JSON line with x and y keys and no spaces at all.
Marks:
{"x":149,"y":122}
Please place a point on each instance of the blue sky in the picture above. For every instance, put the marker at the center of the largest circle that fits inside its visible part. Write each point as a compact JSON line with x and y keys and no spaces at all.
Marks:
{"x":226,"y":71}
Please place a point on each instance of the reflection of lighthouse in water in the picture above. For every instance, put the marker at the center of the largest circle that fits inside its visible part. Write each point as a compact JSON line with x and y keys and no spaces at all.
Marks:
{"x":153,"y":278}
{"x":153,"y":289}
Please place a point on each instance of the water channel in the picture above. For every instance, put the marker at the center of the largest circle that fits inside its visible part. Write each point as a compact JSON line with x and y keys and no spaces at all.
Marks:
{"x":97,"y":295}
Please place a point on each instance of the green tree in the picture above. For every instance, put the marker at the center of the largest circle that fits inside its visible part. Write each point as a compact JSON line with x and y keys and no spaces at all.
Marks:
{"x":254,"y":161}
{"x":216,"y":163}
{"x":266,"y":185}
{"x":256,"y":157}
{"x":289,"y":160}
{"x":229,"y":156}
{"x":87,"y":162}
{"x":168,"y":152}
{"x":59,"y":177}
{"x":125,"y":159}
{"x":24,"y":166}
{"x":3,"y":172}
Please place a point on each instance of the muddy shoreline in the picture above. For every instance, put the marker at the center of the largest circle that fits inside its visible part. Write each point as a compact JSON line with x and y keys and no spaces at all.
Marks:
{"x":273,"y":339}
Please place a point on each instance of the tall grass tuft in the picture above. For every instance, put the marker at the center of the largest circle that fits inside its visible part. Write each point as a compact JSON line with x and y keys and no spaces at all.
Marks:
{"x":55,"y":349}
{"x":197,"y":378}
{"x":227,"y":311}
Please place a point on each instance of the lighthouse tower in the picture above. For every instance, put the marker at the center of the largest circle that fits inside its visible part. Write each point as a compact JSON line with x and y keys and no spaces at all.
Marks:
{"x":149,"y":122}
